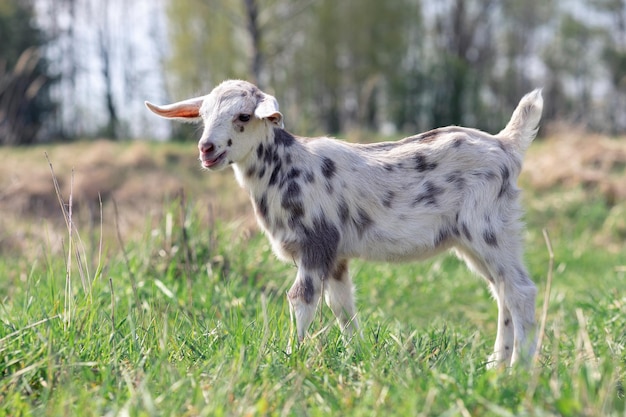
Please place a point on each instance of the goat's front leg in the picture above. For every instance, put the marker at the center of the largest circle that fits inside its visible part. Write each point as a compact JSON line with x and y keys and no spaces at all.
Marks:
{"x":303,"y":298}
{"x":339,"y":296}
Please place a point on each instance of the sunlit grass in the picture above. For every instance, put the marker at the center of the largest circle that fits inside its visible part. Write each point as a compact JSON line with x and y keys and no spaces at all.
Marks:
{"x":207,"y":332}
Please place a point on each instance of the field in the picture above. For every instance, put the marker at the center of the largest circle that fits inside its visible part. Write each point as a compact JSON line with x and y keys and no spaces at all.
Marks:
{"x":162,"y":299}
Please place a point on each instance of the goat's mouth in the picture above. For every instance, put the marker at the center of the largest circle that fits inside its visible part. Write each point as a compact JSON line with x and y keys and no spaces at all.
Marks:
{"x":212,"y":162}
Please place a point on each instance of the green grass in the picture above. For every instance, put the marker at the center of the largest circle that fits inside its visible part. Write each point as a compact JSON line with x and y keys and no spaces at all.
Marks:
{"x":194,"y":321}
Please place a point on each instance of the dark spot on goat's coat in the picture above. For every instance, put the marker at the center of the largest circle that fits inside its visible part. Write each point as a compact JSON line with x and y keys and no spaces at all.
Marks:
{"x":343,"y":211}
{"x":507,"y":322}
{"x":429,"y":136}
{"x":229,"y":143}
{"x":303,"y":289}
{"x":490,"y":238}
{"x":506,"y":175}
{"x":262,"y":208}
{"x":388,"y":167}
{"x":262,"y":172}
{"x":422,"y":164}
{"x":381,"y":146}
{"x":308,"y":290}
{"x":241,"y":128}
{"x":457,"y":179}
{"x":275,"y":173}
{"x":458,"y":141}
{"x":250,"y":171}
{"x":284,"y":138}
{"x":488,"y":175}
{"x":328,"y":167}
{"x":259,"y":151}
{"x":290,"y":247}
{"x":271,"y":155}
{"x":429,"y":195}
{"x":319,"y":245}
{"x":442,"y":236}
{"x":295,"y":216}
{"x":292,"y":202}
{"x":446,"y":233}
{"x":293,"y":191}
{"x":293,"y":173}
{"x":340,"y":270}
{"x":388,"y":198}
{"x":362,"y":222}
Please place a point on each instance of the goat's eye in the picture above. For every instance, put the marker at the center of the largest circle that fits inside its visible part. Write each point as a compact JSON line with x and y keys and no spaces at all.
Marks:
{"x":244,"y":118}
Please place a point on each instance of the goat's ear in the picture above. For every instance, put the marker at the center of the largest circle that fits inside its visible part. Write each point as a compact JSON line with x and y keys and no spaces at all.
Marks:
{"x":186,"y":110}
{"x":267,"y":108}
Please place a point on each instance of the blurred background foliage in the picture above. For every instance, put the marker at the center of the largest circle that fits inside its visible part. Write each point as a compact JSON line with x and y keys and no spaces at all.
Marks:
{"x":82,"y":68}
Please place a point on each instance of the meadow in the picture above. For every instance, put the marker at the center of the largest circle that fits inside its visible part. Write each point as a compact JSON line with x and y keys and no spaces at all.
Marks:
{"x":161,"y":298}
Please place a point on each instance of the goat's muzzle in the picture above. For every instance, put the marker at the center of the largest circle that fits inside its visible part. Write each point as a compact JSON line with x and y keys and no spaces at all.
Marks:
{"x":208,"y":155}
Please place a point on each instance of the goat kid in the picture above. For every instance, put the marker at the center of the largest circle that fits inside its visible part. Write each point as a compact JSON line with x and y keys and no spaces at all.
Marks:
{"x":322,"y":201}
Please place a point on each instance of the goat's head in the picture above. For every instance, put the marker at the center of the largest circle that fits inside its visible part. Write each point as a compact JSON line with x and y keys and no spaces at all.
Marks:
{"x":236,"y":115}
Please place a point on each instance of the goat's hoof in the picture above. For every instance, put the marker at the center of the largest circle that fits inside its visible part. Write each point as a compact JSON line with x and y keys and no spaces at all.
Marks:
{"x":493,"y":362}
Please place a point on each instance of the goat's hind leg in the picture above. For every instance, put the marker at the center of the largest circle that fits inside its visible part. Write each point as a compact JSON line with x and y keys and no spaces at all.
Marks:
{"x":515,"y":294}
{"x":519,"y":295}
{"x":503,"y":348}
{"x":505,"y":338}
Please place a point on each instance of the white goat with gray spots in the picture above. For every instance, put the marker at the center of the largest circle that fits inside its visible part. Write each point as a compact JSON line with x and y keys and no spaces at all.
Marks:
{"x":322,"y":201}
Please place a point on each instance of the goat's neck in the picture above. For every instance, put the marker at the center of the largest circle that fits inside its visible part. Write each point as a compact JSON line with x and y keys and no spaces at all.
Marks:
{"x":268,"y":163}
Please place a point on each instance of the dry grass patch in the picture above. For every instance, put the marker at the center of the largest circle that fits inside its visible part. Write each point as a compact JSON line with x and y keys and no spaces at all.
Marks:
{"x":141,"y":177}
{"x":569,"y":158}
{"x":572,"y":170}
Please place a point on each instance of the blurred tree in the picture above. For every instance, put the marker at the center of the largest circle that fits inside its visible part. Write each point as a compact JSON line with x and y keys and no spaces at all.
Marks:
{"x":255,"y":32}
{"x":205,"y":47}
{"x":519,"y":44}
{"x":214,"y":40}
{"x":106,"y":56}
{"x":571,"y":78}
{"x":61,"y":19}
{"x":614,"y":58}
{"x":105,"y":51}
{"x":23,"y":78}
{"x":415,"y":65}
{"x":351,"y":55}
{"x":16,"y":30}
{"x":463,"y":63}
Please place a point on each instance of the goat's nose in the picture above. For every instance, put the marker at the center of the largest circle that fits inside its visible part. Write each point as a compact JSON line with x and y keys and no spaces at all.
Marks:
{"x":206,"y":147}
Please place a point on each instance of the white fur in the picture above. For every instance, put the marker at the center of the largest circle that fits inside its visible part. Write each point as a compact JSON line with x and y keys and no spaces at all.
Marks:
{"x":323,"y":201}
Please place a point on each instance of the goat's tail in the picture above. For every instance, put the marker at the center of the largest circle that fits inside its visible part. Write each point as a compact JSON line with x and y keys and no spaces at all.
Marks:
{"x":523,"y":126}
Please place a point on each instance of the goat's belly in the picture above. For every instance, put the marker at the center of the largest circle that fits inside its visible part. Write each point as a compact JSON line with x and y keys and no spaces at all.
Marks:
{"x":395,"y":251}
